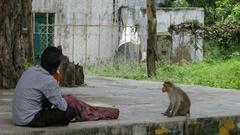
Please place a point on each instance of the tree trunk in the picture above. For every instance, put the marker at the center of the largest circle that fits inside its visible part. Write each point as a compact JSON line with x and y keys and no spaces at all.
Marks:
{"x":11,"y":42}
{"x":151,"y":41}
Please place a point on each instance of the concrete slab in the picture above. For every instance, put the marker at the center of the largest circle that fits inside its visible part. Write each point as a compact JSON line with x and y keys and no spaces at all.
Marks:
{"x":140,"y":104}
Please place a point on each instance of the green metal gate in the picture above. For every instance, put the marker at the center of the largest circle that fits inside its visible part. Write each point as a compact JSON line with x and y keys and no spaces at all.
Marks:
{"x":43,"y":33}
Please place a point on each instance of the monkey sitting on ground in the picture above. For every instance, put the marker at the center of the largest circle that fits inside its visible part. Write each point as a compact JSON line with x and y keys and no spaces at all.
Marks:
{"x":179,"y":100}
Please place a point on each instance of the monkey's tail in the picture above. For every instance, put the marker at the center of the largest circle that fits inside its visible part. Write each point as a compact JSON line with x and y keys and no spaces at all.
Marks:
{"x":185,"y":126}
{"x":188,"y":113}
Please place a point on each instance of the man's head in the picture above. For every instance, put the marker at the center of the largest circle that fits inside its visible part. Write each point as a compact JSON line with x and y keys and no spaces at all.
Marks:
{"x":51,"y":59}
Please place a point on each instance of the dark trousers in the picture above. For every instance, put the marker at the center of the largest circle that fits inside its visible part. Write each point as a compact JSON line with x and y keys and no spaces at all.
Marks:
{"x":52,"y":117}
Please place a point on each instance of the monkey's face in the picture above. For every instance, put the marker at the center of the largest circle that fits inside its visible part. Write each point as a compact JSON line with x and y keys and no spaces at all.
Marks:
{"x":166,"y":87}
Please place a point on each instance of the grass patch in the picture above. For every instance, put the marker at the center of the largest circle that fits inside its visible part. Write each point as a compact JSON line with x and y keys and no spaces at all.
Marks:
{"x":214,"y":73}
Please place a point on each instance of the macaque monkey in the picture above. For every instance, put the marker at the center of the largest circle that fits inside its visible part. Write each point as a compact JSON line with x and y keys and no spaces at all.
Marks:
{"x":179,"y":101}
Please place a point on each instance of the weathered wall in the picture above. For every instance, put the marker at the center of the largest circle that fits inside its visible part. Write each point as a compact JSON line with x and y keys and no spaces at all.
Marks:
{"x":81,"y":43}
{"x":168,"y":16}
{"x":183,"y":41}
{"x":88,"y":44}
{"x":137,"y":11}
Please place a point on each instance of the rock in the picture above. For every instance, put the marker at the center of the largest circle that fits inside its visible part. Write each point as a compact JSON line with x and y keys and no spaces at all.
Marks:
{"x":72,"y":74}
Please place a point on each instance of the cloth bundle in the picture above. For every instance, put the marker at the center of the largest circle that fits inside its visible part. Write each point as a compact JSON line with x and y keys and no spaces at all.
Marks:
{"x":86,"y":112}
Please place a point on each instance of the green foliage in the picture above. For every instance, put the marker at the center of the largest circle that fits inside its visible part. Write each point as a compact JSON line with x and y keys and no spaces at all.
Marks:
{"x":227,"y":10}
{"x":177,"y":3}
{"x":210,"y":72}
{"x":223,"y":25}
{"x":225,"y":36}
{"x":26,"y":65}
{"x":208,"y":6}
{"x":180,"y":3}
{"x":211,"y":50}
{"x":201,"y":3}
{"x":215,"y":10}
{"x":235,"y":14}
{"x":218,"y":10}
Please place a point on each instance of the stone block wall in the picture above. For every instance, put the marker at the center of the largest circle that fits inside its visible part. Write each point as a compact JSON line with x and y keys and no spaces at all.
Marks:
{"x":185,"y":45}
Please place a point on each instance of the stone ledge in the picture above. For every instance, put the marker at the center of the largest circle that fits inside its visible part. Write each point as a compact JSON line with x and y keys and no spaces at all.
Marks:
{"x":179,"y":8}
{"x":228,"y":125}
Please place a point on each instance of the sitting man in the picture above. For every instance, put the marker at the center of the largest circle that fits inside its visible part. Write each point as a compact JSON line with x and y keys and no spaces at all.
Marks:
{"x":37,"y":100}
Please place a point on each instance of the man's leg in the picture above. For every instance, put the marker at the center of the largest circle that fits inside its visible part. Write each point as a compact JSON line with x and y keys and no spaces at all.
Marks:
{"x":53,"y":117}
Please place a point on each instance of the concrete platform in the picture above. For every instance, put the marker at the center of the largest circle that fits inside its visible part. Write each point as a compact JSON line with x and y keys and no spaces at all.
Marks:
{"x":214,"y":111}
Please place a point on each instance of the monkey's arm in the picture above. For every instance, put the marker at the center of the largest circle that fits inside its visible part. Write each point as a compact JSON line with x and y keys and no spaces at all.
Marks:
{"x":168,"y":109}
{"x":170,"y":106}
{"x":175,"y":109}
{"x":175,"y":105}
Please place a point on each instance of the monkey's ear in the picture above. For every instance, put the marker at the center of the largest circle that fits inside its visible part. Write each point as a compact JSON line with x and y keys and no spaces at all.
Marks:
{"x":168,"y":83}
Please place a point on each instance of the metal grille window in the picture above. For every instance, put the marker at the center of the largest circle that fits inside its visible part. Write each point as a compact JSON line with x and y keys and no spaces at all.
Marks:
{"x":43,"y":30}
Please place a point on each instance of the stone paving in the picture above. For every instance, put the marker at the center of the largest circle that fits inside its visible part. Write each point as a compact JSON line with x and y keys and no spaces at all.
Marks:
{"x":139,"y":102}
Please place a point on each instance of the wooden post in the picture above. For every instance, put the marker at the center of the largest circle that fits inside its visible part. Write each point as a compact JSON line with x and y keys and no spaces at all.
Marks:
{"x":73,"y":39}
{"x":30,"y":53}
{"x":99,"y":39}
{"x":86,"y":39}
{"x":151,"y":41}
